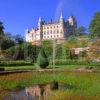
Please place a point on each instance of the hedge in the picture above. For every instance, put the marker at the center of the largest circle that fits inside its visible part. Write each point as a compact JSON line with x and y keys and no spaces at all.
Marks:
{"x":2,"y":69}
{"x":15,"y":63}
{"x":76,"y":62}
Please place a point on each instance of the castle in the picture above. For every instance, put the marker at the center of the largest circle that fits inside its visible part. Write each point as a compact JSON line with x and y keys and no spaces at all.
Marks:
{"x":58,"y":30}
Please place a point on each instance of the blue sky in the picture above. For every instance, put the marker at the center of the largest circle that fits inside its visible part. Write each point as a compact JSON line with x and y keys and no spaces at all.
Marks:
{"x":18,"y":15}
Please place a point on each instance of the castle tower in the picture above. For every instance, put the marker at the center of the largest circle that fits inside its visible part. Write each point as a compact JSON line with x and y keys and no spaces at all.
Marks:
{"x":62,"y":24}
{"x":72,"y":21}
{"x":61,"y":19}
{"x":71,"y":25}
{"x":39,"y":22}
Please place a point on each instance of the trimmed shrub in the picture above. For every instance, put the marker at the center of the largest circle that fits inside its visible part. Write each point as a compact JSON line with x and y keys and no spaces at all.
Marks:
{"x":42,"y":60}
{"x":2,"y":69}
{"x":15,"y":63}
{"x":76,"y":62}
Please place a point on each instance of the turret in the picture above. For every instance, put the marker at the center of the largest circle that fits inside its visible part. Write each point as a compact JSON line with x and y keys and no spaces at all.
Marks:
{"x":61,"y":18}
{"x":39,"y":22}
{"x":27,"y":34}
{"x":62,"y":24}
{"x":27,"y":31}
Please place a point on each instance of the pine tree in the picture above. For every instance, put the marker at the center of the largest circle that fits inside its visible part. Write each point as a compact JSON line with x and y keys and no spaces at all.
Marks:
{"x":42,"y":60}
{"x":94,"y":27}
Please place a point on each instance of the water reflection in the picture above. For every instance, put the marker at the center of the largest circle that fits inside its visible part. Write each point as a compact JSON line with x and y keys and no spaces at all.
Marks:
{"x":37,"y":92}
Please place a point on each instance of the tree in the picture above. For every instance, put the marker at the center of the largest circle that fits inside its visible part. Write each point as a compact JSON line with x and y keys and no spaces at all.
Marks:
{"x":94,"y":27}
{"x":80,"y":31}
{"x":18,"y":39}
{"x":42,"y":60}
{"x":25,"y":51}
{"x":7,"y":41}
{"x":1,"y":28}
{"x":1,"y":34}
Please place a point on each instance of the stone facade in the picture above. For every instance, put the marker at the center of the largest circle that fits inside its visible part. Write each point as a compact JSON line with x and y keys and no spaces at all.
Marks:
{"x":58,"y":30}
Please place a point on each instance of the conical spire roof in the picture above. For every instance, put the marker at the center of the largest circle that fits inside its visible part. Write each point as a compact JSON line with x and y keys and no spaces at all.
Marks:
{"x":61,"y":16}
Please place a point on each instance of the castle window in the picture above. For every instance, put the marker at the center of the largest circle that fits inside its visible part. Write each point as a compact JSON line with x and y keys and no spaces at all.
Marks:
{"x":47,"y":32}
{"x":47,"y":27}
{"x":51,"y":31}
{"x":44,"y":27}
{"x":32,"y":35}
{"x":54,"y":31}
{"x":61,"y":31}
{"x":44,"y":37}
{"x":54,"y":26}
{"x":44,"y":32}
{"x":57,"y":31}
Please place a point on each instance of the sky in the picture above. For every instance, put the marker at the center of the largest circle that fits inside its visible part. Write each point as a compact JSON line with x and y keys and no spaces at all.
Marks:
{"x":18,"y":15}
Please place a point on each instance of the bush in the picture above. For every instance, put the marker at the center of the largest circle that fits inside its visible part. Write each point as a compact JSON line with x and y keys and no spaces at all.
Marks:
{"x":25,"y":51}
{"x":42,"y":60}
{"x":2,"y":69}
{"x":15,"y":63}
{"x":76,"y":62}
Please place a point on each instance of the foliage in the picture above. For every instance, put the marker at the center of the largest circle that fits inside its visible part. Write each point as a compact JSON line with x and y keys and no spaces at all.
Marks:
{"x":25,"y":51}
{"x":6,"y":42}
{"x":64,"y":51}
{"x":94,"y":27}
{"x":18,"y":39}
{"x":42,"y":60}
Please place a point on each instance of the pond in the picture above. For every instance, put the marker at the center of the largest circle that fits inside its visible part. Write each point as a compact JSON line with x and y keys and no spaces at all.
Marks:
{"x":38,"y":91}
{"x":50,"y":86}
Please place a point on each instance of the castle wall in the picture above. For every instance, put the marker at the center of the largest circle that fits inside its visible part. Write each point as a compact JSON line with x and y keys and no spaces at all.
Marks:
{"x":52,"y":31}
